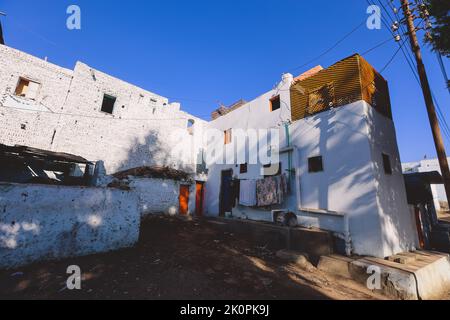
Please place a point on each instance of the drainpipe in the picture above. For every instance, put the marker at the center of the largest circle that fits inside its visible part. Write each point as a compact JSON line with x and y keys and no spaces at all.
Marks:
{"x":288,"y":139}
{"x":347,"y":236}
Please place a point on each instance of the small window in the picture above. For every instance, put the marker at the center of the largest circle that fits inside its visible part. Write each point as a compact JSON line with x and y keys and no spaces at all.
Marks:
{"x":387,"y":164}
{"x":243,"y":168}
{"x":190,"y":126}
{"x":108,"y":104}
{"x":228,"y":135}
{"x":315,"y":164}
{"x":275,"y":103}
{"x":27,"y":88}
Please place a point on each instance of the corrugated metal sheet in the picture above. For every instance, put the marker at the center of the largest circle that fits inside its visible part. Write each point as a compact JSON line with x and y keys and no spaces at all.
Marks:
{"x":347,"y":81}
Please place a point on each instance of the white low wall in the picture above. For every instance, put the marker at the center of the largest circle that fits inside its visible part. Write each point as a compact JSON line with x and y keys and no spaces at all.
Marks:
{"x":39,"y":222}
{"x":160,"y":196}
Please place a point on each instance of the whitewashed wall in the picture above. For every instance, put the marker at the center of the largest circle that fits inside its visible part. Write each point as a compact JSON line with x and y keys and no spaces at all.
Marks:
{"x":160,"y":196}
{"x":40,"y":222}
{"x":398,"y":226}
{"x":145,"y":129}
{"x":256,"y":114}
{"x":352,"y":197}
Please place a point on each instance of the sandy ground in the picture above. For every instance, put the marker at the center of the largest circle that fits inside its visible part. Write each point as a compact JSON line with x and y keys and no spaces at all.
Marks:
{"x":177,"y":259}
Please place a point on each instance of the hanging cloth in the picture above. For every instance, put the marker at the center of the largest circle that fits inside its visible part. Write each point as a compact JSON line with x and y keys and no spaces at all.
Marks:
{"x":267,"y":191}
{"x":247,"y":194}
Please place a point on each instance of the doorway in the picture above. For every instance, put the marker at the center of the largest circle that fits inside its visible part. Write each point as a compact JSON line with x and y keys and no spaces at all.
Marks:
{"x":225,"y":204}
{"x":200,"y":193}
{"x":184,"y":200}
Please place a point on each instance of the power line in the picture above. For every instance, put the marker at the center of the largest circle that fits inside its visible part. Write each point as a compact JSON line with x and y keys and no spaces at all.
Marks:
{"x":377,"y":46}
{"x":332,"y":47}
{"x":410,"y":62}
{"x":444,"y":72}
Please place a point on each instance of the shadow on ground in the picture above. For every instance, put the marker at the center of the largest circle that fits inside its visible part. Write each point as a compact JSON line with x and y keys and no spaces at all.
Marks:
{"x":178,"y":259}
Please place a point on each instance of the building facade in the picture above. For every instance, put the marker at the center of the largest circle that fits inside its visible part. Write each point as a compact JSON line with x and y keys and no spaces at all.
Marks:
{"x":339,"y":152}
{"x":91,"y":114}
{"x":325,"y":144}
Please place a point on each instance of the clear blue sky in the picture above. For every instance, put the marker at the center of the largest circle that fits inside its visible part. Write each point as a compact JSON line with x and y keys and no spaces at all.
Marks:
{"x":204,"y":52}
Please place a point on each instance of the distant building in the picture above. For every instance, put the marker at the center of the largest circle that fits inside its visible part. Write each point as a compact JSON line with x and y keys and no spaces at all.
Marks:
{"x":429,"y":165}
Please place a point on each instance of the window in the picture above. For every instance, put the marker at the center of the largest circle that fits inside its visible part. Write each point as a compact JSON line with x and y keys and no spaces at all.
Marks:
{"x":27,"y":88}
{"x":190,"y":126}
{"x":387,"y":164}
{"x":228,"y":135}
{"x":275,"y":103}
{"x":108,"y":104}
{"x":243,"y":168}
{"x":315,"y":164}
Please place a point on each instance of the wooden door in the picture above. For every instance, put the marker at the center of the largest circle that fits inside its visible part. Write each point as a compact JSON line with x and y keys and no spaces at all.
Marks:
{"x":184,"y":200}
{"x":200,"y":189}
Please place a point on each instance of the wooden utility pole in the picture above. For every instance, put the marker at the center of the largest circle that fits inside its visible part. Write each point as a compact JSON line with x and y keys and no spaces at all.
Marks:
{"x":437,"y":136}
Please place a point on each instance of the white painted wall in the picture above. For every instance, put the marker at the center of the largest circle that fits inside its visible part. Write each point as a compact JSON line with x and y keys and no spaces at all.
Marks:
{"x":160,"y":196}
{"x":145,"y":129}
{"x":256,"y":114}
{"x":39,"y":222}
{"x":398,"y":226}
{"x":352,"y":197}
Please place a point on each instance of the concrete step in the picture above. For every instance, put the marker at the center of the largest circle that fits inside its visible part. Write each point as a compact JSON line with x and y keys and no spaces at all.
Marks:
{"x":408,"y":276}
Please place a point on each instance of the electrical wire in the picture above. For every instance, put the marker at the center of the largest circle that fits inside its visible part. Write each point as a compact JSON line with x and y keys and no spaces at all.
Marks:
{"x":410,"y":60}
{"x":444,"y":72}
{"x":332,"y":47}
{"x":377,"y":46}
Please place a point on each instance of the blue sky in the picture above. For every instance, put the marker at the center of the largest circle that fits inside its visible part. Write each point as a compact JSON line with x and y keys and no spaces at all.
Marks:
{"x":205,"y":52}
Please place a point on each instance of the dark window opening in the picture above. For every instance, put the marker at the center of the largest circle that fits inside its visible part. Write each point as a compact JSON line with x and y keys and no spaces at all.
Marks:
{"x":190,"y":126}
{"x":275,"y":103}
{"x":243,"y":168}
{"x":315,"y":164}
{"x":108,"y":104}
{"x":387,"y":164}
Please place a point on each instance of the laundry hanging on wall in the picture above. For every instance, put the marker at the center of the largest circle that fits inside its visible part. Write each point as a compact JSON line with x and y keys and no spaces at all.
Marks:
{"x":271,"y":190}
{"x":266,"y":192}
{"x":247,"y":194}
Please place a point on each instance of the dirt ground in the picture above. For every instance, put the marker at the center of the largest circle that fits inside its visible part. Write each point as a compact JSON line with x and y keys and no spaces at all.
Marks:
{"x":177,"y":259}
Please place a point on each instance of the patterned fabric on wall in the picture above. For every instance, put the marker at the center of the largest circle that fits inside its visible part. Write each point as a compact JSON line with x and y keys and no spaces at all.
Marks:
{"x":271,"y":190}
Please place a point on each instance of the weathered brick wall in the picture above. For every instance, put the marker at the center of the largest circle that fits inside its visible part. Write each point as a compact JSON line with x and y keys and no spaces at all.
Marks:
{"x":143,"y":130}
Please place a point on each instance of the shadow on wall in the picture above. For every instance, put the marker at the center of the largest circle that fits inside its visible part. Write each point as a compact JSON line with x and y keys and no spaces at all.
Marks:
{"x":350,"y":171}
{"x":397,"y":222}
{"x":170,"y":151}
